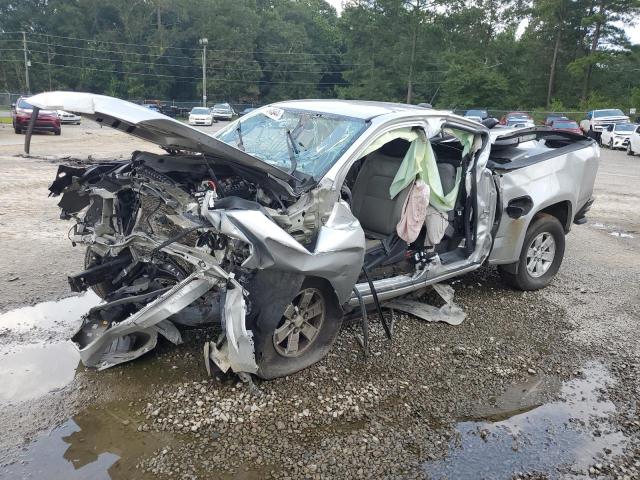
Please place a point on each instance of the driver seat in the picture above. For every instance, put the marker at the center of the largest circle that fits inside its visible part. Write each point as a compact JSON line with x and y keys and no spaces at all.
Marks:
{"x":378,"y":214}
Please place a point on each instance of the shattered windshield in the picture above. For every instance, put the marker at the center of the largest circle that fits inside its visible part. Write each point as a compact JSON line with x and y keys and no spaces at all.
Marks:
{"x":294,"y":140}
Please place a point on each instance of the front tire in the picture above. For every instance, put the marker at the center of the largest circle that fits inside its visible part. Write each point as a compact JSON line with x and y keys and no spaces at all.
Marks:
{"x":17,"y":130}
{"x":541,"y":255}
{"x":299,"y":336}
{"x":611,"y":144}
{"x":629,"y":150}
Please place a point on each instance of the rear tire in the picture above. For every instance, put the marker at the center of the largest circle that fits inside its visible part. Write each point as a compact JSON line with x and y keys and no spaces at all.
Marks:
{"x":541,"y":255}
{"x":277,"y":355}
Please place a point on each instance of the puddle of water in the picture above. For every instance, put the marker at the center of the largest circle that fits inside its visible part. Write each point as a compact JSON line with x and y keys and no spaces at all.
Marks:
{"x":613,"y":230}
{"x":621,"y":234}
{"x":518,"y":434}
{"x":99,"y":443}
{"x":34,"y":370}
{"x":49,"y":314}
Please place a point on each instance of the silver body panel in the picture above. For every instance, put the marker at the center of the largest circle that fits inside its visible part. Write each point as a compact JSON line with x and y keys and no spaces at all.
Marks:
{"x":338,"y":252}
{"x":564,"y":178}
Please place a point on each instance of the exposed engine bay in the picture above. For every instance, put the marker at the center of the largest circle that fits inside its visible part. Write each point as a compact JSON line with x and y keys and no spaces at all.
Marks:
{"x":168,"y":246}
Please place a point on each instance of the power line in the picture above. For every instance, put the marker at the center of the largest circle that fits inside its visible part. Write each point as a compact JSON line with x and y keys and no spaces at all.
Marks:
{"x":175,"y":48}
{"x":187,"y":77}
{"x":99,"y":50}
{"x":231,"y":69}
{"x":267,"y":82}
{"x":84,"y":57}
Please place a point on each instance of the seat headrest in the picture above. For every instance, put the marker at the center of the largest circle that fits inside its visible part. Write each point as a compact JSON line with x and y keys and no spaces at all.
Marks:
{"x":395,"y":148}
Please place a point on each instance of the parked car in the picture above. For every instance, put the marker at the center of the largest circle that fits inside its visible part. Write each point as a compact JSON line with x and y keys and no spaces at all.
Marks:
{"x":549,"y":119}
{"x":68,"y":117}
{"x":223,"y":111}
{"x":516,"y":119}
{"x":565,"y":125}
{"x":477,"y":114}
{"x":516,"y":122}
{"x":633,"y":146}
{"x":289,"y":218}
{"x":617,"y":136}
{"x":169,"y":110}
{"x":47,"y":121}
{"x":246,"y":110}
{"x":599,"y":120}
{"x":201,"y":116}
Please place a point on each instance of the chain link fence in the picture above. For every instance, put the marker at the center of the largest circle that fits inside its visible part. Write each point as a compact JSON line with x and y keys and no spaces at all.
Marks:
{"x":7,"y":99}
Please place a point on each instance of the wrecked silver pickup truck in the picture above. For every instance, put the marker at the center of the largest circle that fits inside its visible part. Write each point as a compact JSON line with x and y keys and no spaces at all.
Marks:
{"x":300,"y":212}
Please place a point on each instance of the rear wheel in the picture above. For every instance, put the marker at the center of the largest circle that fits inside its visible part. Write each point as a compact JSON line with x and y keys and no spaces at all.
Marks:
{"x":300,"y":336}
{"x":541,"y":255}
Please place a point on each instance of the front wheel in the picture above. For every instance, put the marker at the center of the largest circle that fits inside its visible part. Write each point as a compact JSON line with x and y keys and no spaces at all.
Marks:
{"x":611,"y":144}
{"x":541,"y":255}
{"x":629,"y":150}
{"x":299,"y":336}
{"x":18,"y":130}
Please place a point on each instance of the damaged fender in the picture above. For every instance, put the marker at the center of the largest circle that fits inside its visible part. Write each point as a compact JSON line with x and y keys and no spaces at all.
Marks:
{"x":103,"y":348}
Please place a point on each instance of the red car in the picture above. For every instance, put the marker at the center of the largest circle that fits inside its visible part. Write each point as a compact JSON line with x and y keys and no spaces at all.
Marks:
{"x":520,"y":116}
{"x":565,"y":125}
{"x":47,"y":121}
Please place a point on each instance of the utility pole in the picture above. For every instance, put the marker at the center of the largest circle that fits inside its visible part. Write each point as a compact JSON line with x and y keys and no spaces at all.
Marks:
{"x":49,"y":63}
{"x":204,"y":42}
{"x":26,"y":61}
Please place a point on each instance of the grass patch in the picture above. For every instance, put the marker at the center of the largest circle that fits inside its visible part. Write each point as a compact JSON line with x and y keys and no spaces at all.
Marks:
{"x":5,"y":119}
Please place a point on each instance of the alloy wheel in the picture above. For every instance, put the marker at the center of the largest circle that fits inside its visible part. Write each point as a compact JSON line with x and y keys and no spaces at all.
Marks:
{"x":300,"y":324}
{"x":540,"y":254}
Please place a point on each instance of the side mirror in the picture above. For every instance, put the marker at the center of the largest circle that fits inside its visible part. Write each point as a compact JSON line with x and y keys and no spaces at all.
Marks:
{"x":13,"y":106}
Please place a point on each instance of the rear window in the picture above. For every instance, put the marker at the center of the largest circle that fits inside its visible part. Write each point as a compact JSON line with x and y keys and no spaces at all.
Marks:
{"x":564,"y":124}
{"x":625,"y":127}
{"x":22,"y":103}
{"x":608,"y":113}
{"x":477,"y":113}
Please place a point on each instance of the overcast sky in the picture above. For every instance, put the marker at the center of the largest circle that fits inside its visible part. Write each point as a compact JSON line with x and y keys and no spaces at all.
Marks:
{"x":633,"y":31}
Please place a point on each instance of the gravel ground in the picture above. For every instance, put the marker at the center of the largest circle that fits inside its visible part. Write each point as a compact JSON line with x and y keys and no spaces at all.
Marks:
{"x":539,"y":385}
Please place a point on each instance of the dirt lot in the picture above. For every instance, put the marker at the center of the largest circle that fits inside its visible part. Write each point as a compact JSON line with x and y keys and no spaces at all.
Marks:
{"x":531,"y":385}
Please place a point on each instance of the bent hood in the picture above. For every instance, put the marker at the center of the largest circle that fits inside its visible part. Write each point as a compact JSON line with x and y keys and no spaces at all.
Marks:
{"x":149,"y":125}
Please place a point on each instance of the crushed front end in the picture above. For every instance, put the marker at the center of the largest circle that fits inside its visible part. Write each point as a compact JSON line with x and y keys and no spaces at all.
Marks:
{"x":181,"y":240}
{"x":152,"y":256}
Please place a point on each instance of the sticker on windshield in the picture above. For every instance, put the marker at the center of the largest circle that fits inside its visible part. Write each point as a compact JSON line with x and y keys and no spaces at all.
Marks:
{"x":274,"y":112}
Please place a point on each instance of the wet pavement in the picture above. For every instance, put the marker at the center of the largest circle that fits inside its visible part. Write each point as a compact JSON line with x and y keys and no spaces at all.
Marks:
{"x":34,"y":370}
{"x":556,"y":439}
{"x":97,"y":443}
{"x":531,"y":385}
